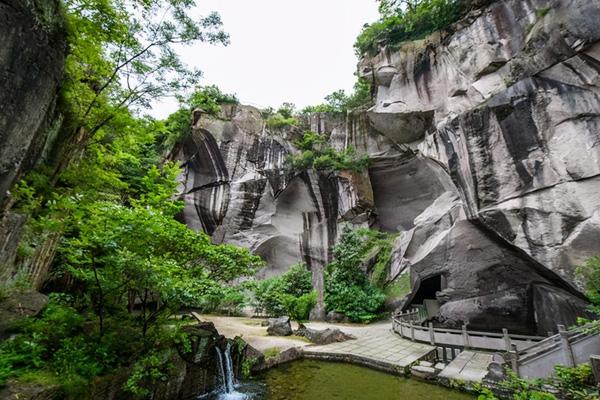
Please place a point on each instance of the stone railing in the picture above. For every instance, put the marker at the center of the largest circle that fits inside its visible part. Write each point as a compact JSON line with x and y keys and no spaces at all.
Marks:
{"x":567,"y":347}
{"x":452,"y":341}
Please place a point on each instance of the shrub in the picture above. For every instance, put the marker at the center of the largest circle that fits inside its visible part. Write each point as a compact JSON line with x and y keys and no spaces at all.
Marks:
{"x":178,"y":125}
{"x":577,"y":383}
{"x":316,"y":153}
{"x":279,"y":121}
{"x":589,"y":272}
{"x":339,"y":102}
{"x":288,"y":294}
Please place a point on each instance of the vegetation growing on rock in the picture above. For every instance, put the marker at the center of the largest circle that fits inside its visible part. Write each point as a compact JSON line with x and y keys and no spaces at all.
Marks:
{"x":404,"y":20}
{"x":316,"y":153}
{"x":177,"y":126}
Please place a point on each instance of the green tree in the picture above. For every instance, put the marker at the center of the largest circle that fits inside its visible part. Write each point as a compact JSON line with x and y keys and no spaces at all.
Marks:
{"x":347,"y":288}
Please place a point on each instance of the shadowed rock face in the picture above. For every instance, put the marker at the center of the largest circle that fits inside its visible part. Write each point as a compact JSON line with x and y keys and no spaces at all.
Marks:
{"x":32,"y":56}
{"x":31,"y":67}
{"x":486,"y":161}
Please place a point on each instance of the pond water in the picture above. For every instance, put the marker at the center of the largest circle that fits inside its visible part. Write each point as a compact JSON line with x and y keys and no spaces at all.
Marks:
{"x":319,"y":380}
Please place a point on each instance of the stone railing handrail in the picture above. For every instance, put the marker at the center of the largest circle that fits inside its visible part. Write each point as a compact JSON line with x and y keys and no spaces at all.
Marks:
{"x":567,"y":347}
{"x":462,"y":338}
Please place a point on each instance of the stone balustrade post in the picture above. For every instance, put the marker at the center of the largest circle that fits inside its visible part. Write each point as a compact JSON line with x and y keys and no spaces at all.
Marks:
{"x":507,"y":341}
{"x":465,"y":337}
{"x":431,"y":334}
{"x":566,"y":346}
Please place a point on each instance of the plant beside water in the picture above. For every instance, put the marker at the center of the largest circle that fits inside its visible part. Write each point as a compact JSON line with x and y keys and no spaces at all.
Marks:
{"x":576,"y":383}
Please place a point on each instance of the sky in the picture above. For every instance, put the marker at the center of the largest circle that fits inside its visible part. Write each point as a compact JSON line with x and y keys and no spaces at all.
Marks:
{"x":295,"y":51}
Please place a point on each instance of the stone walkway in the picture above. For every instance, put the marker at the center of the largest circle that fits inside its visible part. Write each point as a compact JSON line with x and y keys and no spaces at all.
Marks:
{"x":379,"y":349}
{"x":468,"y":366}
{"x":375,"y":345}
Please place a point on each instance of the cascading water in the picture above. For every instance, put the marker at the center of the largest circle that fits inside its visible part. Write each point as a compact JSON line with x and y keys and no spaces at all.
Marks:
{"x":229,"y":377}
{"x":226,"y":389}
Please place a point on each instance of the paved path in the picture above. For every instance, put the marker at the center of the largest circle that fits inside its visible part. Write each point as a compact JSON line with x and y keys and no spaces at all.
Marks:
{"x":468,"y":366}
{"x":375,"y":345}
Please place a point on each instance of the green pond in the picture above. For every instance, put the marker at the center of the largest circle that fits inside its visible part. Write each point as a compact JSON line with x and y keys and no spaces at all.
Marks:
{"x":319,"y":380}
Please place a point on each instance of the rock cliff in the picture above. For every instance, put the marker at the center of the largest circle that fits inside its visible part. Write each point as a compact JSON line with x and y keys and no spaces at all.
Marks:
{"x":32,"y":57}
{"x":486,"y":161}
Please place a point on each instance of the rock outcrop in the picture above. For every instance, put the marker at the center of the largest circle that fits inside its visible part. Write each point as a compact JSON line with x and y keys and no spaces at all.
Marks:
{"x":32,"y":57}
{"x":485,"y":154}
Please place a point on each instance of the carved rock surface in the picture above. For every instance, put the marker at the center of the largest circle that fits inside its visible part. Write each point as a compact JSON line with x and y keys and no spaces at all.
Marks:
{"x":485,"y":160}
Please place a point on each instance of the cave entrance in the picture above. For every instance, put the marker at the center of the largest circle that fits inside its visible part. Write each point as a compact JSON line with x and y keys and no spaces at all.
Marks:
{"x":424,"y":298}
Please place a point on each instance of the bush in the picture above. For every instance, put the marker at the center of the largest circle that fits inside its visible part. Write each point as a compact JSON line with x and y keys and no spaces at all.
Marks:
{"x":316,"y":153}
{"x":288,"y":294}
{"x":279,"y":121}
{"x":398,"y":23}
{"x":208,"y":98}
{"x":577,"y":383}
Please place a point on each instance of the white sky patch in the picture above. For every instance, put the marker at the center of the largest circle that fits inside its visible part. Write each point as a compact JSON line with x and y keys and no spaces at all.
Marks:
{"x":281,"y":50}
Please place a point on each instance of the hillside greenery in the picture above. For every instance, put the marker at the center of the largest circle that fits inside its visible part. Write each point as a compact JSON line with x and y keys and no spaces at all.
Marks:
{"x":124,"y":266}
{"x":177,"y":126}
{"x":404,"y":20}
{"x":339,"y":102}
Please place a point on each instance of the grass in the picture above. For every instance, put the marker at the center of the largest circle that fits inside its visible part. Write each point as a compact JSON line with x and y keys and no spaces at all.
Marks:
{"x":271,"y":352}
{"x":399,"y":288}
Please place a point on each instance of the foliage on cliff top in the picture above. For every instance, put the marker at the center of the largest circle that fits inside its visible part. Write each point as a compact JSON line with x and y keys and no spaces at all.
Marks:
{"x":339,"y":102}
{"x":284,"y":116}
{"x":177,"y":126}
{"x":316,"y":153}
{"x":403,"y":20}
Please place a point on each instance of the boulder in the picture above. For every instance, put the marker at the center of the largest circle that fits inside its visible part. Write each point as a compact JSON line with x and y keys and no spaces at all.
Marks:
{"x":325,"y":336}
{"x":279,"y":326}
{"x":19,"y":304}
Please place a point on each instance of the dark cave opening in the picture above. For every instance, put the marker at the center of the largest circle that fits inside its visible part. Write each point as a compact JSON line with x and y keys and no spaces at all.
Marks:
{"x":427,"y":289}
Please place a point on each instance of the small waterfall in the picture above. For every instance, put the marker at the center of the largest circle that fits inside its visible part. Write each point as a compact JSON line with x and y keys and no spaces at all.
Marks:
{"x":222,"y":378}
{"x":229,"y":376}
{"x":226,"y":376}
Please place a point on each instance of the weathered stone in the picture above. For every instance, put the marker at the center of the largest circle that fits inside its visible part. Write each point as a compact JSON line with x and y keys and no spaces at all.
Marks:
{"x":19,"y":304}
{"x":279,"y":326}
{"x":325,"y":336}
{"x":32,"y":55}
{"x":485,"y":161}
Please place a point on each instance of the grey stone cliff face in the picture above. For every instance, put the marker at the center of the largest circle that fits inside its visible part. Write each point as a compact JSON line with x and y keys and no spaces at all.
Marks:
{"x":486,"y":161}
{"x":32,"y":55}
